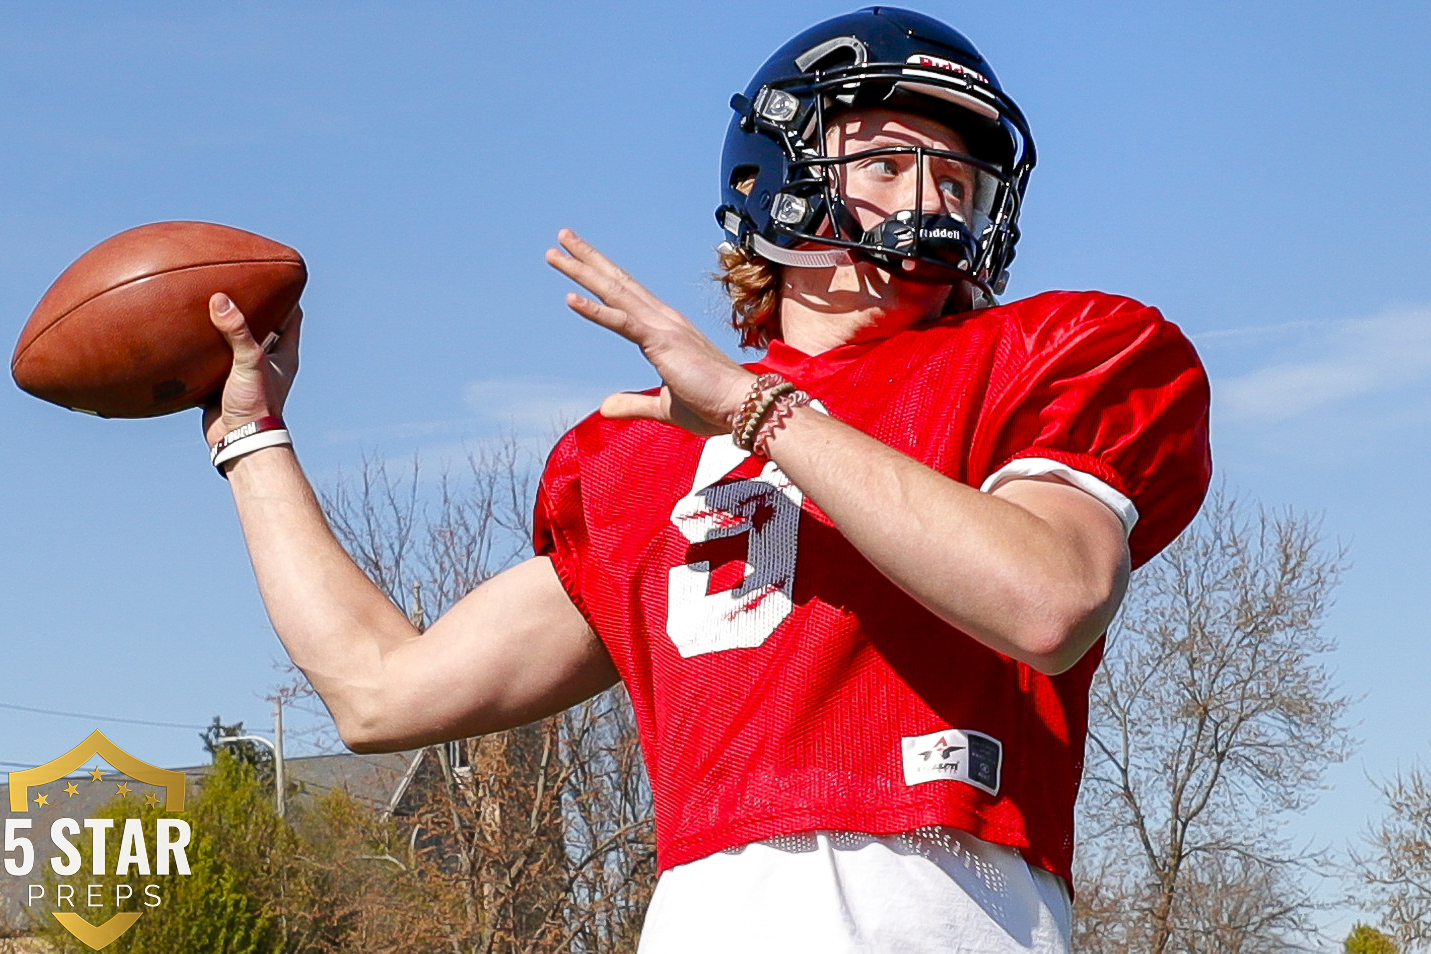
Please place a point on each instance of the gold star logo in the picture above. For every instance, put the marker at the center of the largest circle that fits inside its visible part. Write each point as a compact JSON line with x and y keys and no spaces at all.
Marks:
{"x":96,"y":774}
{"x":71,"y":790}
{"x":122,"y":790}
{"x":151,"y":800}
{"x":42,"y":800}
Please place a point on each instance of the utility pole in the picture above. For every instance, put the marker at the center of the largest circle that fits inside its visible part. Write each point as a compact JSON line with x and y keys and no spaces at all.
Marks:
{"x":281,"y":796}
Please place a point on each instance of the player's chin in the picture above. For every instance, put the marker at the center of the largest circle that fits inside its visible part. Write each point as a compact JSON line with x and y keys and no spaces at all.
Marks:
{"x":925,"y":286}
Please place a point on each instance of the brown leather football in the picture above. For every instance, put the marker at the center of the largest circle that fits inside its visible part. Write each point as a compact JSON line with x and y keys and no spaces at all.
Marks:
{"x":125,"y":332}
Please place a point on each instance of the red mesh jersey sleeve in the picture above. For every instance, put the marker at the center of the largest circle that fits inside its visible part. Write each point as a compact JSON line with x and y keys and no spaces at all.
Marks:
{"x":1109,"y":387}
{"x":559,"y":529}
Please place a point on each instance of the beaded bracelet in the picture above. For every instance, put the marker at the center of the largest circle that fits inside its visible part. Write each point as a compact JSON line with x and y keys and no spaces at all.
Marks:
{"x":751,"y":402}
{"x":745,"y":422}
{"x":771,"y":401}
{"x":746,"y":438}
{"x":783,"y":406}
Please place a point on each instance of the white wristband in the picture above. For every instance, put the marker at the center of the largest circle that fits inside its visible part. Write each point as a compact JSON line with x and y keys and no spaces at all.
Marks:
{"x":249,"y":444}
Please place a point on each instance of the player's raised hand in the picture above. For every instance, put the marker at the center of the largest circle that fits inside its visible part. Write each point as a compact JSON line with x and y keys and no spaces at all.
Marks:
{"x":701,"y":387}
{"x":258,"y":383}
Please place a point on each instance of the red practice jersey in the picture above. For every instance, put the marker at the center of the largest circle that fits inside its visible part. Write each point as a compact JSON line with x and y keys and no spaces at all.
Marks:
{"x":780,"y":682}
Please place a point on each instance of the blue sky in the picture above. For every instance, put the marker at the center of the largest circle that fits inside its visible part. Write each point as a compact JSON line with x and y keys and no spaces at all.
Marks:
{"x":1256,"y":171}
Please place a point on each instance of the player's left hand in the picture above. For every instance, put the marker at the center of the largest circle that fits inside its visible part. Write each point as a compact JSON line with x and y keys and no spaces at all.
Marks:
{"x":701,"y":387}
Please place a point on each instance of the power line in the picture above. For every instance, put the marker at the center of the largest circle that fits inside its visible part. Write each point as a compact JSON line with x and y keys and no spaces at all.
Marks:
{"x":81,"y":715}
{"x":25,"y":766}
{"x":76,"y":774}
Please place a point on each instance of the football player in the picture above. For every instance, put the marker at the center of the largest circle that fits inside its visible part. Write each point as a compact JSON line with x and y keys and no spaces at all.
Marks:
{"x":856,"y":588}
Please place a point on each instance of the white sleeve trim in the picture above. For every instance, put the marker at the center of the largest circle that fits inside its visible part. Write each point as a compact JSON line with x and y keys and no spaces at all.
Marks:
{"x":1121,"y":506}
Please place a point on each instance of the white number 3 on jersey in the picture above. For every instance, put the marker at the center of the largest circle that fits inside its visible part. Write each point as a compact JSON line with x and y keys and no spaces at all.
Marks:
{"x":765,"y":510}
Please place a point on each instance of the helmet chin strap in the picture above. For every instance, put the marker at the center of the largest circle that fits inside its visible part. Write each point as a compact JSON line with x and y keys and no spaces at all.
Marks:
{"x":800,"y":258}
{"x":805,"y":258}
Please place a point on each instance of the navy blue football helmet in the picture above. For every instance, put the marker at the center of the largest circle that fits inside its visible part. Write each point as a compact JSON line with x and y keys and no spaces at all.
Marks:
{"x":779,"y":193}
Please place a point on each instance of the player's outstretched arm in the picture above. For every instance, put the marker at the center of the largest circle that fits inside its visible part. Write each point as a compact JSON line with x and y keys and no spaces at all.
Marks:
{"x":513,"y":650}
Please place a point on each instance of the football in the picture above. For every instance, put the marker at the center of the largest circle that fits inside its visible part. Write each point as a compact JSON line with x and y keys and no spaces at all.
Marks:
{"x":125,"y":332}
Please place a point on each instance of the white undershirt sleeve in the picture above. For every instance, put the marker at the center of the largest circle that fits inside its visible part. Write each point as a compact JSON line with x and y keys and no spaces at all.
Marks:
{"x":1115,"y":501}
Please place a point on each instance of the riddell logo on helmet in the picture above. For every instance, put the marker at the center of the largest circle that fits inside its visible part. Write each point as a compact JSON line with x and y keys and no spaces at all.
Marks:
{"x":949,"y":66}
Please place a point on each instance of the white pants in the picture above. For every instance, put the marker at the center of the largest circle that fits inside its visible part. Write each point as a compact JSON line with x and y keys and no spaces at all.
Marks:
{"x":932,"y":890}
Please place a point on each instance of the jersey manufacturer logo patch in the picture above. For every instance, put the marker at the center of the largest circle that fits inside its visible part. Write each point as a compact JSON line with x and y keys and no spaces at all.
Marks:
{"x":962,"y":755}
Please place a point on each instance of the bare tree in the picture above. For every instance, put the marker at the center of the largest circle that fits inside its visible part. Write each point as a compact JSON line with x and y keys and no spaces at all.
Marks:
{"x":1211,"y":721}
{"x":472,"y":522}
{"x":608,"y":813}
{"x":522,"y":843}
{"x":1396,"y":864}
{"x":536,"y":839}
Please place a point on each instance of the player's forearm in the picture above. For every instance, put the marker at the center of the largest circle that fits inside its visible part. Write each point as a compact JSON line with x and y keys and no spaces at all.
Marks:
{"x":990,"y":567}
{"x":336,"y":625}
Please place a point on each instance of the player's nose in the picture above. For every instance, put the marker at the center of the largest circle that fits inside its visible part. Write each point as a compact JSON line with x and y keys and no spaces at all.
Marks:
{"x":932,"y":198}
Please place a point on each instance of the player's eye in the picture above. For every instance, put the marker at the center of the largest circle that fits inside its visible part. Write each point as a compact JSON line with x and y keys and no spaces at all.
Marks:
{"x":883,"y":166}
{"x":953,"y":189}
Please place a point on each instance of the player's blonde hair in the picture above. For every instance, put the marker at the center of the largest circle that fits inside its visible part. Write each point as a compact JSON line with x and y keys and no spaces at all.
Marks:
{"x":753,"y":284}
